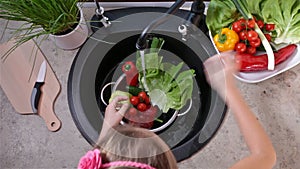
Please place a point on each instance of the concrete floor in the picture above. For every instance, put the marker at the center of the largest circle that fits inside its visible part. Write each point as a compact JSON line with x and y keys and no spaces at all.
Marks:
{"x":27,"y":143}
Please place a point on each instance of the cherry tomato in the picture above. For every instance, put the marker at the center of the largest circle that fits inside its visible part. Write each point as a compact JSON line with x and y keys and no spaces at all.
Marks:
{"x":147,"y":100}
{"x":151,"y":112}
{"x":236,"y":26}
{"x":252,"y":35}
{"x":255,"y":43}
{"x":251,"y":50}
{"x":142,"y":107}
{"x":268,"y":36}
{"x":251,"y":23}
{"x":240,"y":47}
{"x":134,"y":100}
{"x":243,"y":35}
{"x":132,"y":112}
{"x":146,"y":125}
{"x":260,"y":24}
{"x":142,"y":95}
{"x":270,"y":27}
{"x":243,"y":23}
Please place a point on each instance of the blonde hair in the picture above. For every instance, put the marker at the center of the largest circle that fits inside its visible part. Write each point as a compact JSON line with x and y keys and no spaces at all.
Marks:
{"x":126,"y":143}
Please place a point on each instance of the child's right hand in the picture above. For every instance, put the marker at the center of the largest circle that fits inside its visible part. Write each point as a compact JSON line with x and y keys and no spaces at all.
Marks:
{"x":219,"y":71}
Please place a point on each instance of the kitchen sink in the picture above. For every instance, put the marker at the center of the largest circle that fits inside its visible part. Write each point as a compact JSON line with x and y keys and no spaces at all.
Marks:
{"x":98,"y":63}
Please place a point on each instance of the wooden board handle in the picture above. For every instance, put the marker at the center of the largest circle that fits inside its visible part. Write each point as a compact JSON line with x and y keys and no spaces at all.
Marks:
{"x":51,"y":90}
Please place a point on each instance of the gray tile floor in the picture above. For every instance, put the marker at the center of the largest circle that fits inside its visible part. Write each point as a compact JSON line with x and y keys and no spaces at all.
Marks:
{"x":27,"y":143}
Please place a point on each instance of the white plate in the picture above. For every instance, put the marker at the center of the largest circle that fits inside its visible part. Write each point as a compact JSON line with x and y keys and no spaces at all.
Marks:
{"x":258,"y":76}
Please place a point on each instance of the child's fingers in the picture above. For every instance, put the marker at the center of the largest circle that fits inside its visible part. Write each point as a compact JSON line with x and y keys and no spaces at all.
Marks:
{"x":123,"y":109}
{"x":114,"y":102}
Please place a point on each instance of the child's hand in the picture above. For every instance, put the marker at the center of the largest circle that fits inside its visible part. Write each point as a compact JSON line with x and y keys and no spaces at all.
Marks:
{"x":115,"y":111}
{"x":220,"y":70}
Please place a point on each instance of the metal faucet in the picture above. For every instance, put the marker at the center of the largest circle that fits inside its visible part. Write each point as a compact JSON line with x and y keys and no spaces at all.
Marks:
{"x":195,"y":20}
{"x":196,"y":17}
{"x":100,"y":15}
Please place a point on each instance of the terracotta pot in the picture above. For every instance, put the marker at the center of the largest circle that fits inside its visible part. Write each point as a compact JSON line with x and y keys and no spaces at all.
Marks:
{"x":73,"y":39}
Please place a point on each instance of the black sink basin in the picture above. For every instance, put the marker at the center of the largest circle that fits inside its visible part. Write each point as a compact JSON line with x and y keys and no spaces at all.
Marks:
{"x":98,"y":63}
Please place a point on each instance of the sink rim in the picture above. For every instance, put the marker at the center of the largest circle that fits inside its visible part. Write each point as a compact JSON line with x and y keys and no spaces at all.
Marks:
{"x":177,"y":150}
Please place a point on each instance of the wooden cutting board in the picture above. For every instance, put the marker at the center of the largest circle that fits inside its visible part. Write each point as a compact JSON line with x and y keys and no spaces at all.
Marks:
{"x":18,"y":75}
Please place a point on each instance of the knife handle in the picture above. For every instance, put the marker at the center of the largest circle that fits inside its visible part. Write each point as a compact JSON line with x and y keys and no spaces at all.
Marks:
{"x":35,"y":96}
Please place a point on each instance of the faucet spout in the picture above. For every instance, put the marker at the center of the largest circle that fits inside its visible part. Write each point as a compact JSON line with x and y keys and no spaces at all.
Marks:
{"x":142,"y":41}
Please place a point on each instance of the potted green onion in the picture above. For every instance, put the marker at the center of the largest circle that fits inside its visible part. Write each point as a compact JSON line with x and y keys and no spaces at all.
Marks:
{"x":61,"y":19}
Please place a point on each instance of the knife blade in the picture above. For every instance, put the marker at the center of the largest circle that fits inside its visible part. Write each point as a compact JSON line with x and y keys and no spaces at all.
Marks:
{"x":36,"y":91}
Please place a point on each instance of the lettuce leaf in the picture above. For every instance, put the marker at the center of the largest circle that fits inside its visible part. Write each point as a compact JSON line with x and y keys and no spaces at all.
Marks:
{"x":285,"y":14}
{"x":167,"y":87}
{"x":286,"y":17}
{"x":220,"y":14}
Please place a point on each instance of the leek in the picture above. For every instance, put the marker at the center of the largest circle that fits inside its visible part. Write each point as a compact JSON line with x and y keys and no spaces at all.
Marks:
{"x":241,"y":6}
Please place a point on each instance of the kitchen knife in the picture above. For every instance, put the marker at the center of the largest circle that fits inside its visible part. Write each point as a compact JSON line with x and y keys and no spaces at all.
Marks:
{"x":36,"y":91}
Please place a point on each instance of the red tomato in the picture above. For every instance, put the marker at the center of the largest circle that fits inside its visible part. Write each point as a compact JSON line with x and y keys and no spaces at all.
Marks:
{"x":132,"y":112}
{"x":147,"y":100}
{"x":255,"y":43}
{"x":243,"y":35}
{"x":240,"y":47}
{"x":151,"y":112}
{"x":243,"y":23}
{"x":146,"y":125}
{"x":260,"y":24}
{"x":142,"y":107}
{"x":236,"y":26}
{"x":251,"y":50}
{"x":270,"y":27}
{"x":134,"y":100}
{"x":268,"y":36}
{"x":252,"y":35}
{"x":142,"y":95}
{"x":251,"y":23}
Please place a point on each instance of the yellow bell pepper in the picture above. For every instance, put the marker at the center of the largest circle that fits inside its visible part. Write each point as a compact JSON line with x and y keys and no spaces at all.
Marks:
{"x":226,"y":39}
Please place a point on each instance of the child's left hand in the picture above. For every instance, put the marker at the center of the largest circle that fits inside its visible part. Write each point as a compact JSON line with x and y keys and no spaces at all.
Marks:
{"x":115,"y":111}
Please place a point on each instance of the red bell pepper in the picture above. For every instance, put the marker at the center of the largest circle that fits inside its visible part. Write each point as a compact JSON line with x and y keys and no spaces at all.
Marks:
{"x":131,"y":73}
{"x":249,"y":63}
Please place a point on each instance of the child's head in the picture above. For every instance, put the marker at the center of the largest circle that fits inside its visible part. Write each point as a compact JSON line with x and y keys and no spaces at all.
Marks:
{"x":137,"y":145}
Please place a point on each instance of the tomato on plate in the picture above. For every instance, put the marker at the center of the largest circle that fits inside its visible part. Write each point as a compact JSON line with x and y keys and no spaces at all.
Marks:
{"x":236,"y":26}
{"x":260,"y":24}
{"x":240,"y":47}
{"x":255,"y":43}
{"x":251,"y":50}
{"x":270,"y":27}
{"x":252,"y":35}
{"x":243,"y":35}
{"x":268,"y":36}
{"x":251,"y":23}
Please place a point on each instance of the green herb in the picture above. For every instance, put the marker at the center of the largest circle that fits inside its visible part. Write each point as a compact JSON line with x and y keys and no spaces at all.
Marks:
{"x":40,"y":17}
{"x":159,"y":120}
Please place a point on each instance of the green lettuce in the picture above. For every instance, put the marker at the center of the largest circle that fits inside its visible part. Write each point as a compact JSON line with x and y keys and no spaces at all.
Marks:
{"x":285,"y":14}
{"x":167,"y":87}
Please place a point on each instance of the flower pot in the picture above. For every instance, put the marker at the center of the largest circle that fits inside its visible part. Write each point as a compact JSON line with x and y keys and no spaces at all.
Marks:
{"x":73,"y":39}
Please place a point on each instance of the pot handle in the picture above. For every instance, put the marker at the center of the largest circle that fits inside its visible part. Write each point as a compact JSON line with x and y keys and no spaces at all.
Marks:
{"x":101,"y":94}
{"x":187,"y":110}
